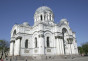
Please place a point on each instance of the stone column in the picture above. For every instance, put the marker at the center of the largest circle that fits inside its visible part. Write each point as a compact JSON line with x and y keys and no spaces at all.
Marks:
{"x":12,"y":48}
{"x":39,"y":18}
{"x":43,"y":17}
{"x":17,"y":46}
{"x":52,"y":17}
{"x":59,"y":45}
{"x":57,"y":49}
{"x":48,"y":17}
{"x":41,"y":44}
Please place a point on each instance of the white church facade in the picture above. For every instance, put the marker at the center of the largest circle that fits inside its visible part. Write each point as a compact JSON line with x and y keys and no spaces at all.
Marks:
{"x":43,"y":38}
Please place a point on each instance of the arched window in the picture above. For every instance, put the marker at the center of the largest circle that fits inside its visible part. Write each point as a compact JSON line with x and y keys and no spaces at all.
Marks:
{"x":36,"y":42}
{"x":50,"y":16}
{"x":41,"y":17}
{"x":48,"y":44}
{"x":14,"y":33}
{"x":26,"y":43}
{"x":64,"y":30}
{"x":44,"y":17}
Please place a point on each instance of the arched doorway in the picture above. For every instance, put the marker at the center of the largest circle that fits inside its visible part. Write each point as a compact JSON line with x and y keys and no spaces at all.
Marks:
{"x":64,"y":30}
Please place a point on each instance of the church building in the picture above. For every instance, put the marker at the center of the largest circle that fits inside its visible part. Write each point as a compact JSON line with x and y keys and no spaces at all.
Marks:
{"x":45,"y":37}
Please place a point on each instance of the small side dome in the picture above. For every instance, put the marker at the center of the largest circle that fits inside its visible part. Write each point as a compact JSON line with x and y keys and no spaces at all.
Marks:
{"x":25,"y":23}
{"x":64,"y":21}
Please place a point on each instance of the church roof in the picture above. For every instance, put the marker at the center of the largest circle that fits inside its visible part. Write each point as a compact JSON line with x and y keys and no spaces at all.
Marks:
{"x":43,"y":9}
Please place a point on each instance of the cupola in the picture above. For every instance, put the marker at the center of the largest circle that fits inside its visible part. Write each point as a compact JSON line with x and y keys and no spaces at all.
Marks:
{"x":43,"y":14}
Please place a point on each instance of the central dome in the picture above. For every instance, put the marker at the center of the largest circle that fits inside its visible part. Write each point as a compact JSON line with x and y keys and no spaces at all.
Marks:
{"x":43,"y":9}
{"x":43,"y":15}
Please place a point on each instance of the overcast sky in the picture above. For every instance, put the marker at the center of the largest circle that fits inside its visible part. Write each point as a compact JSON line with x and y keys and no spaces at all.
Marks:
{"x":19,"y":11}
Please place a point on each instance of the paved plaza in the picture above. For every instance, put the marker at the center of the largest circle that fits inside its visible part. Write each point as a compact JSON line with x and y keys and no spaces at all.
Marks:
{"x":75,"y":59}
{"x":58,"y":59}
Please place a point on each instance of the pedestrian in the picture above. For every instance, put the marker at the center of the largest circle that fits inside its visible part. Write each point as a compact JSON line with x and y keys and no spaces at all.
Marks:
{"x":1,"y":59}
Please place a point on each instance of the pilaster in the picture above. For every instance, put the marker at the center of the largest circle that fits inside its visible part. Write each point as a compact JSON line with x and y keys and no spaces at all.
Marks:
{"x":41,"y":43}
{"x":17,"y":46}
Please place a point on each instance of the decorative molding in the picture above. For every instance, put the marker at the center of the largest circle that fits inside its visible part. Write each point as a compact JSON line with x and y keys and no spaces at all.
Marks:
{"x":30,"y":48}
{"x":12,"y":41}
{"x":36,"y":51}
{"x":59,"y":37}
{"x":70,"y":40}
{"x":42,"y":31}
{"x":26,"y":51}
{"x":19,"y":37}
{"x":50,"y":47}
{"x":41,"y":35}
{"x":24,"y":33}
{"x":57,"y":32}
{"x":48,"y":50}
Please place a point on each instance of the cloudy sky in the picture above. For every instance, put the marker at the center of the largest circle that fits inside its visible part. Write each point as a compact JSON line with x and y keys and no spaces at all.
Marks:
{"x":19,"y":11}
